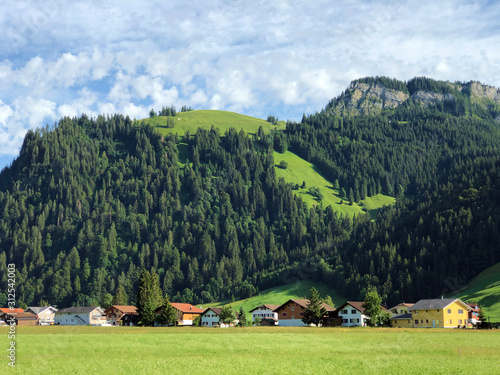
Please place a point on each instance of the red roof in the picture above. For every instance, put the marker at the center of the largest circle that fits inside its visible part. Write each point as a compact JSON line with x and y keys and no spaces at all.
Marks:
{"x":187,"y":308}
{"x":7,"y":310}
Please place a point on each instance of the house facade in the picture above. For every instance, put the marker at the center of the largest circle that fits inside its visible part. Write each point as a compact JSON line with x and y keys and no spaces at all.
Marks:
{"x":211,"y":318}
{"x":401,"y":320}
{"x":186,"y":313}
{"x":439,"y":313}
{"x":44,"y":314}
{"x":473,"y":314}
{"x":402,"y":308}
{"x":80,"y":316}
{"x":122,"y":315}
{"x":21,"y":319}
{"x":291,"y":312}
{"x":352,"y":314}
{"x":265,"y":312}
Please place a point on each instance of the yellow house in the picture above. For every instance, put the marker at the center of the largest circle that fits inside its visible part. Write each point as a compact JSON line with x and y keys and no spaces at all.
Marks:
{"x":401,"y":320}
{"x":439,"y":313}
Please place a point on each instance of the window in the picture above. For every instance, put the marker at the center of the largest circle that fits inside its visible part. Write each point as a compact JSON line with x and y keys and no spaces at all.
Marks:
{"x":345,"y":321}
{"x":416,"y":321}
{"x":293,"y":308}
{"x":438,"y":310}
{"x":301,"y":314}
{"x":344,"y":312}
{"x":283,"y":314}
{"x":460,"y":311}
{"x":288,"y":305}
{"x":416,"y":312}
{"x":421,"y":321}
{"x":293,"y":316}
{"x":354,"y":320}
{"x":427,"y":320}
{"x":426,"y":311}
{"x":449,"y":311}
{"x":459,"y":321}
{"x":451,"y":321}
{"x":353,"y":312}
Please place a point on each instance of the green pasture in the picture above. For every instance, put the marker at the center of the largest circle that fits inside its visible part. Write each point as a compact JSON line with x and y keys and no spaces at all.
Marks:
{"x":299,"y":170}
{"x":204,"y":119}
{"x":484,"y":290}
{"x":252,"y":350}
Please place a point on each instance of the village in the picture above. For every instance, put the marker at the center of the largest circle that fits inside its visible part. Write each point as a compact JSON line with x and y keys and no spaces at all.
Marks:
{"x":426,"y":313}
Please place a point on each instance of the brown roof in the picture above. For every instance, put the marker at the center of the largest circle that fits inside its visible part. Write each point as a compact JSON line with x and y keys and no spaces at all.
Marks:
{"x":22,"y":316}
{"x":303,"y":302}
{"x":8,"y":310}
{"x":216,"y":310}
{"x":187,"y":308}
{"x":124,"y":309}
{"x":269,"y":307}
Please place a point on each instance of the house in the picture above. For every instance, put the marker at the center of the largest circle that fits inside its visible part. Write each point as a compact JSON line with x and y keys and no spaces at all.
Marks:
{"x":473,"y":314}
{"x":122,"y":315}
{"x":402,"y":308}
{"x":45,"y":314}
{"x":186,"y":313}
{"x":265,"y":312}
{"x":77,"y":316}
{"x":290,"y":313}
{"x":21,"y":318}
{"x":401,"y":320}
{"x":352,"y":314}
{"x":440,"y":312}
{"x":210,"y":318}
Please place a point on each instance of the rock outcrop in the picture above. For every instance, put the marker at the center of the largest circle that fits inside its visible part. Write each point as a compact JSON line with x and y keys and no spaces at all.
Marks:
{"x":364,"y":98}
{"x":427,"y":99}
{"x":483,"y":91}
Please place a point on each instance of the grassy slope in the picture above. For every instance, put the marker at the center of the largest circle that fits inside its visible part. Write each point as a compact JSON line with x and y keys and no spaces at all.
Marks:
{"x":281,"y":294}
{"x":299,"y":170}
{"x":484,"y":289}
{"x":206,"y":118}
{"x":257,"y":350}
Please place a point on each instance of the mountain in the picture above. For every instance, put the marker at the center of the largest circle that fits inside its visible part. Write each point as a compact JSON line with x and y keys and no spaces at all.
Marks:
{"x":369,"y":96}
{"x":91,"y":201}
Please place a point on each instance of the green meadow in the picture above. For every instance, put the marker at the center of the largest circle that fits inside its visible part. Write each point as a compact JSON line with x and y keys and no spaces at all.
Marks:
{"x":484,"y":289}
{"x":252,"y":350}
{"x":299,"y":170}
{"x":281,"y":294}
{"x":204,"y":119}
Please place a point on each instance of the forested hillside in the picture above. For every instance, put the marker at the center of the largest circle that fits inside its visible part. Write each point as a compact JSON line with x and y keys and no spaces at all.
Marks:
{"x":92,"y":201}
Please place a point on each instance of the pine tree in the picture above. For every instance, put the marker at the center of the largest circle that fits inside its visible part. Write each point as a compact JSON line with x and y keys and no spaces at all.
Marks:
{"x":147,"y":299}
{"x":120,"y":297}
{"x":242,"y":317}
{"x":168,"y":315}
{"x":315,"y":311}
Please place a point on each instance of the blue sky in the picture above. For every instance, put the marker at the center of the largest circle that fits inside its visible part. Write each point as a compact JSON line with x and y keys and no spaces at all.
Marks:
{"x":282,"y":57}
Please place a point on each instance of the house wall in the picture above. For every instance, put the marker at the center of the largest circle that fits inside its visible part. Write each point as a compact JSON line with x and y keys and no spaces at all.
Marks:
{"x":352,"y":317}
{"x":401,"y":323}
{"x":70,"y":319}
{"x":47,"y":316}
{"x":264,"y":313}
{"x":291,"y":323}
{"x":187,"y":319}
{"x":210,"y":319}
{"x":290,"y":311}
{"x":27,"y":322}
{"x":449,"y":317}
{"x":114,"y":315}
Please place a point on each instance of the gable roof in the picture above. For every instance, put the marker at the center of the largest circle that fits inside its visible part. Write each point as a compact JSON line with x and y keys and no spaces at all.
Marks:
{"x":358,"y":306}
{"x":266,"y":306}
{"x":124,"y":309}
{"x":21,"y":316}
{"x":187,"y":308}
{"x":39,"y":309}
{"x":216,"y":310}
{"x":436,"y":303}
{"x":80,"y":310}
{"x":303,"y":303}
{"x":8,"y":310}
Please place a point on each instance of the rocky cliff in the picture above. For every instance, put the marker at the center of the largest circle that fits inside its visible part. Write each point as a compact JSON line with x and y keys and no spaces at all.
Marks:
{"x":370,"y":96}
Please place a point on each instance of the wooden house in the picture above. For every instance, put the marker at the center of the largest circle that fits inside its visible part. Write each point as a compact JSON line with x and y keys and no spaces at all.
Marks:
{"x":122,"y":315}
{"x":20,"y":319}
{"x":290,"y":313}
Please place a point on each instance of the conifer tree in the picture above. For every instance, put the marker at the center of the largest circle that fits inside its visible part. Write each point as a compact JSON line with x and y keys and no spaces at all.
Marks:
{"x":168,"y":315}
{"x":242,"y":317}
{"x":315,"y":311}
{"x":147,"y":298}
{"x":120,"y":297}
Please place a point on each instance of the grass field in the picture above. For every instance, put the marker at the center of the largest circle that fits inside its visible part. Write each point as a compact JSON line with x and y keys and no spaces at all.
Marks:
{"x":255,"y":350}
{"x":484,"y":289}
{"x":204,"y":119}
{"x":281,"y":294}
{"x":299,"y":170}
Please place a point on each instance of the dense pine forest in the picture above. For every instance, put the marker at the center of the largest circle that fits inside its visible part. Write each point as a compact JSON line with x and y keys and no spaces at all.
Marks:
{"x":91,"y":202}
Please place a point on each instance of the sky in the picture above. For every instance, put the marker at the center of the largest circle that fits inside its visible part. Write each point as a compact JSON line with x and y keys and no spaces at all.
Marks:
{"x":282,"y":57}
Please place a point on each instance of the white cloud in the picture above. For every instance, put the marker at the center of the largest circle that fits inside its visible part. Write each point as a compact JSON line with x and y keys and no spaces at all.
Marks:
{"x":284,"y":57}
